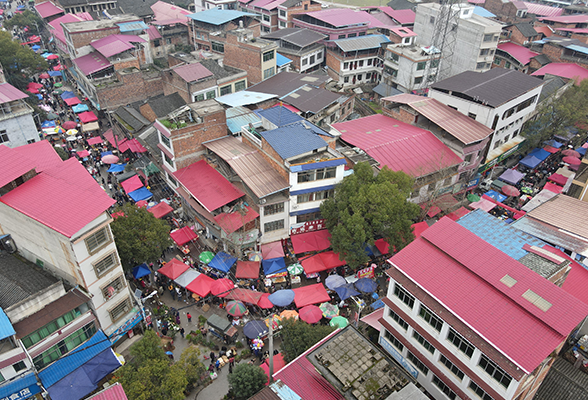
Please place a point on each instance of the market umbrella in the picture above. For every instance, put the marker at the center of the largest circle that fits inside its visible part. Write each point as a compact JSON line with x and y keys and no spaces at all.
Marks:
{"x":275,"y":320}
{"x":73,"y":139}
{"x":366,"y":285}
{"x":334,"y":281}
{"x":108,"y":159}
{"x":571,"y":153}
{"x":473,"y":197}
{"x":221,"y":287}
{"x":141,"y":270}
{"x":311,"y":314}
{"x":339,"y":322}
{"x":572,"y":160}
{"x":236,"y":308}
{"x":282,"y":298}
{"x":52,"y":57}
{"x":52,"y":116}
{"x":44,"y":75}
{"x":169,"y":353}
{"x":255,"y":256}
{"x":69,"y":125}
{"x":264,"y":302}
{"x":295,"y":269}
{"x":59,"y":129}
{"x":206,"y":257}
{"x":346,"y":291}
{"x":510,"y":191}
{"x":72,"y":132}
{"x":329,"y":310}
{"x":58,"y":84}
{"x":141,"y":203}
{"x":255,"y":328}
{"x":289,"y":314}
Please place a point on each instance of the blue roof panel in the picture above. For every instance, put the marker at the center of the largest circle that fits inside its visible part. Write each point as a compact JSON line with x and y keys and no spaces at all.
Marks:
{"x":239,"y":116}
{"x":16,"y":385}
{"x":295,"y":139}
{"x":281,"y":60}
{"x":579,"y":49}
{"x":215,"y":16}
{"x":482,"y":12}
{"x":279,"y":116}
{"x":132,"y":26}
{"x":6,"y":328}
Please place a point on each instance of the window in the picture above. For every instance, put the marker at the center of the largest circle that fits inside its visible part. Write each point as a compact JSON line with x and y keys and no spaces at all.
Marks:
{"x":431,"y":318}
{"x":319,"y":56}
{"x":369,"y":61}
{"x":444,"y":388}
{"x":269,"y":55}
{"x":488,"y":37}
{"x":418,"y":80}
{"x":226,"y":90}
{"x":53,"y":326}
{"x":3,"y":136}
{"x":218,"y":47}
{"x":484,"y":52}
{"x":65,"y":346}
{"x":494,"y":371}
{"x":451,"y":366}
{"x":282,"y":13}
{"x":168,"y":160}
{"x":19,"y":366}
{"x":432,"y":20}
{"x":273,"y":226}
{"x":266,"y":17}
{"x":497,"y":61}
{"x":480,"y":65}
{"x":395,"y":342}
{"x":165,"y":140}
{"x":404,"y":296}
{"x":315,"y":196}
{"x":352,"y":35}
{"x":422,"y":65}
{"x":507,"y":65}
{"x":304,"y":61}
{"x":481,"y":393}
{"x":434,"y":63}
{"x":211,"y":94}
{"x":424,"y":342}
{"x":313,"y":216}
{"x":311,"y":60}
{"x":105,"y":264}
{"x":282,"y":24}
{"x":269,"y":73}
{"x":273,"y":209}
{"x":341,"y":37}
{"x":120,"y":310}
{"x":394,"y":57}
{"x":417,"y":363}
{"x":361,"y":34}
{"x":97,"y":240}
{"x":168,"y":41}
{"x":114,"y":287}
{"x":360,"y":64}
{"x":2,"y":379}
{"x":346,"y":79}
{"x":315,"y":175}
{"x":30,"y":141}
{"x":306,"y":7}
{"x":472,"y":115}
{"x":462,"y":344}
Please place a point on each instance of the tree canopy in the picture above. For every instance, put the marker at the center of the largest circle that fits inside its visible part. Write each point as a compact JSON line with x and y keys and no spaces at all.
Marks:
{"x":26,"y":19}
{"x":139,"y":236}
{"x":19,"y":62}
{"x":298,"y":336}
{"x":246,"y":380}
{"x":366,"y":206}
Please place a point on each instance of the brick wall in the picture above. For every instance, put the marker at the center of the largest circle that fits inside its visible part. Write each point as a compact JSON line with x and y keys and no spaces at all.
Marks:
{"x":130,"y":88}
{"x":80,"y":39}
{"x":553,"y":52}
{"x":507,"y":11}
{"x":244,"y":56}
{"x":581,"y":38}
{"x":399,"y":113}
{"x":534,"y":65}
{"x":123,"y":64}
{"x":290,"y":12}
{"x":516,"y":36}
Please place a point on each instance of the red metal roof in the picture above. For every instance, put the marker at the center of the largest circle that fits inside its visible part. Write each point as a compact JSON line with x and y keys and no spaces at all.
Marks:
{"x":567,"y":19}
{"x":400,"y":146}
{"x":546,"y":30}
{"x":311,"y":241}
{"x":153,"y":33}
{"x":42,"y":154}
{"x":114,"y":392}
{"x":91,"y":63}
{"x":463,"y":273}
{"x":402,"y":16}
{"x":541,"y":10}
{"x":373,"y":319}
{"x":340,"y":17}
{"x":577,"y":280}
{"x":47,"y":9}
{"x":403,"y":32}
{"x":9,"y":93}
{"x":518,"y":52}
{"x":311,"y":294}
{"x":166,"y":13}
{"x":230,"y":222}
{"x":192,"y":72}
{"x":160,"y":209}
{"x":207,"y":185}
{"x":57,"y":28}
{"x":564,"y":70}
{"x":115,"y":44}
{"x":64,"y":197}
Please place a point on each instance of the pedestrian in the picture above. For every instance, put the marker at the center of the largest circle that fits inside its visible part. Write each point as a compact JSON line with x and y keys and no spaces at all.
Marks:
{"x":232,"y":361}
{"x":178,"y":319}
{"x":211,"y":368}
{"x":230,"y":369}
{"x":212,"y":356}
{"x":189,"y":317}
{"x":182,"y":332}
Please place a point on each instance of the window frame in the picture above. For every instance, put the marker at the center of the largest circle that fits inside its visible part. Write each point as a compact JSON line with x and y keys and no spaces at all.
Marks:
{"x":398,"y":319}
{"x":496,"y":370}
{"x":99,"y":246}
{"x":119,"y":281}
{"x":272,"y":209}
{"x":404,"y":294}
{"x":392,"y":339}
{"x":446,"y":390}
{"x":418,"y":364}
{"x":423,"y":342}
{"x":115,"y":263}
{"x":451,"y":367}
{"x":268,"y":56}
{"x":429,"y":316}
{"x":273,"y":225}
{"x":126,"y":300}
{"x":463,"y":342}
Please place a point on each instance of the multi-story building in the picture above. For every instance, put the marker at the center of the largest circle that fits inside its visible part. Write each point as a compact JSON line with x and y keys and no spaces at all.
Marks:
{"x":256,"y":56}
{"x":473,"y":327}
{"x":357,"y":60}
{"x":475,"y":37}
{"x":267,"y":11}
{"x":513,"y":56}
{"x":289,"y":8}
{"x":501,"y":99}
{"x":17,"y":126}
{"x":303,"y":46}
{"x":405,"y":65}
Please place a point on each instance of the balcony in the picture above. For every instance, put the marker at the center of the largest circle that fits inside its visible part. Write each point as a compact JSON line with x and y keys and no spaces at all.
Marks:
{"x":14,"y":109}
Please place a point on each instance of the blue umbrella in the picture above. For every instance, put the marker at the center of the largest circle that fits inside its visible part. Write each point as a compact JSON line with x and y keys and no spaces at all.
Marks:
{"x":346,"y":291}
{"x":334,"y":281}
{"x":36,"y":47}
{"x":116,"y":167}
{"x":366,"y":285}
{"x":48,"y":124}
{"x":45,"y":55}
{"x":254,"y":329}
{"x":282,"y":298}
{"x":141,"y":270}
{"x":169,"y":353}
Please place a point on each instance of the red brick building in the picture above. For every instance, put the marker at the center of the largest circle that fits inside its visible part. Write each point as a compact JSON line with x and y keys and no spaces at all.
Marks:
{"x":256,"y":56}
{"x":289,"y":8}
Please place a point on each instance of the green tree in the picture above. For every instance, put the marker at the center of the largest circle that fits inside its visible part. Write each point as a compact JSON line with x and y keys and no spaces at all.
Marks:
{"x":246,"y":380}
{"x":191,"y":364}
{"x":139,"y":236}
{"x":298,"y":336}
{"x":557,"y":114}
{"x":25,"y":19}
{"x":19,"y":62}
{"x":366,"y":206}
{"x":62,"y":153}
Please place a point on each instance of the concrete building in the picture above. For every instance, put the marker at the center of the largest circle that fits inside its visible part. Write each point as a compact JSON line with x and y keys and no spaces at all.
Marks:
{"x":303,"y":46}
{"x":500,"y":99}
{"x":17,"y":126}
{"x":255,"y":56}
{"x":476,"y":37}
{"x":513,"y":56}
{"x":289,"y":8}
{"x":267,"y":11}
{"x":446,"y":317}
{"x":405,"y":65}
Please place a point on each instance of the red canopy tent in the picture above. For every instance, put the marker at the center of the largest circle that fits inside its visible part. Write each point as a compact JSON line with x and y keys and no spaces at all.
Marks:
{"x":183,"y":235}
{"x":132,"y":184}
{"x":321,"y":262}
{"x":419,"y":228}
{"x":247,"y":270}
{"x":173,"y":269}
{"x":311,"y":241}
{"x":87,"y":116}
{"x":279,"y":363}
{"x":95,"y":140}
{"x":552,"y":187}
{"x":34,"y":87}
{"x":83,"y":153}
{"x":272,"y":250}
{"x":160,"y":210}
{"x":72,"y":101}
{"x":550,"y":149}
{"x":264,"y":302}
{"x":244,"y":295}
{"x":382,"y":245}
{"x":558,"y":178}
{"x":201,"y":285}
{"x":311,"y":294}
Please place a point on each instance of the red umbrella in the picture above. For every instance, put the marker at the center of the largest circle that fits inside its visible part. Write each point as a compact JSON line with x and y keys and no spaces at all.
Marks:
{"x":110,"y":159}
{"x":511,"y":191}
{"x":141,"y":203}
{"x":236,"y":308}
{"x":310,"y":314}
{"x":221,"y":287}
{"x":572,"y":160}
{"x":53,"y":57}
{"x":571,"y":153}
{"x":44,"y":75}
{"x":67,"y":125}
{"x":264,"y":302}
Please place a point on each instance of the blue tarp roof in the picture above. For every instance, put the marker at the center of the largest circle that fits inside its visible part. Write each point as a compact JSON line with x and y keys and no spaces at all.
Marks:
{"x":579,"y":49}
{"x":116,"y":167}
{"x":222,"y":262}
{"x":132,"y":26}
{"x":67,"y":95}
{"x":295,"y":139}
{"x":495,"y":195}
{"x":215,"y":16}
{"x":244,"y":98}
{"x":6,"y":328}
{"x":581,"y":150}
{"x":54,"y":73}
{"x":26,"y":381}
{"x":482,"y":12}
{"x":141,"y":270}
{"x":279,"y":116}
{"x":530,"y":161}
{"x":78,"y":108}
{"x":48,"y":124}
{"x":140,"y":194}
{"x":239,"y":116}
{"x":540,"y":154}
{"x":554,"y":143}
{"x":273,"y":265}
{"x":281,"y":60}
{"x":74,"y":359}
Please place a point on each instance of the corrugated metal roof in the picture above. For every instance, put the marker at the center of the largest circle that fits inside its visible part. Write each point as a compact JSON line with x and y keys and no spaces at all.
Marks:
{"x":542,"y":10}
{"x":16,"y":385}
{"x":132,"y":26}
{"x":464,"y":273}
{"x":282,"y":60}
{"x":482,"y":12}
{"x":400,"y":146}
{"x":9,"y":93}
{"x":458,"y":125}
{"x":279,"y":116}
{"x":215,"y":16}
{"x":567,"y":19}
{"x":6,"y":329}
{"x":564,"y":70}
{"x":299,"y":36}
{"x":362,"y":42}
{"x":244,"y":98}
{"x":563,"y":382}
{"x":13,"y":165}
{"x":578,"y":48}
{"x":564,"y":213}
{"x":340,"y":17}
{"x":311,"y":98}
{"x":295,"y":139}
{"x":286,"y":82}
{"x":192,"y":72}
{"x":114,"y":392}
{"x":402,"y":16}
{"x":250,"y":165}
{"x":42,"y":152}
{"x":577,"y":280}
{"x":239,"y":116}
{"x":519,"y":53}
{"x":48,"y":9}
{"x":115,"y":44}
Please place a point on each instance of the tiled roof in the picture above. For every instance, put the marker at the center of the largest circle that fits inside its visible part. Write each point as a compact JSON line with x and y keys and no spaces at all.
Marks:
{"x":42,"y":153}
{"x":563,"y":382}
{"x":286,"y":82}
{"x":464,"y":273}
{"x":564,"y":70}
{"x":518,"y":52}
{"x":526,"y":29}
{"x":9,"y":93}
{"x":311,"y":99}
{"x":164,"y":105}
{"x":295,"y":139}
{"x":192,"y":72}
{"x":400,"y":146}
{"x":299,"y":36}
{"x":458,"y":125}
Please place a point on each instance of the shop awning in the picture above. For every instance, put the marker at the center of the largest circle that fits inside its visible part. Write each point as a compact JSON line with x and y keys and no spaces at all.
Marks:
{"x":554,"y":143}
{"x":160,"y":210}
{"x":273,"y":265}
{"x":72,"y":101}
{"x":558,"y":178}
{"x":78,"y":108}
{"x":272,"y":250}
{"x":484,"y":204}
{"x":311,"y":241}
{"x":373,"y":319}
{"x":132,"y":184}
{"x":247,"y":270}
{"x":321,"y":262}
{"x":95,"y":140}
{"x":244,"y":295}
{"x":187,"y":277}
{"x":511,"y":176}
{"x":311,"y":294}
{"x":222,"y":262}
{"x":25,"y":384}
{"x":183,"y":235}
{"x":552,"y":187}
{"x":540,"y":153}
{"x":201,"y":285}
{"x":550,"y":149}
{"x":6,"y":328}
{"x":132,"y":145}
{"x":230,"y":222}
{"x":173,"y":269}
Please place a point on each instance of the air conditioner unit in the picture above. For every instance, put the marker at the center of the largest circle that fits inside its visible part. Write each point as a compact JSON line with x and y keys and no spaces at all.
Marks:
{"x":294,"y":206}
{"x":262,"y":201}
